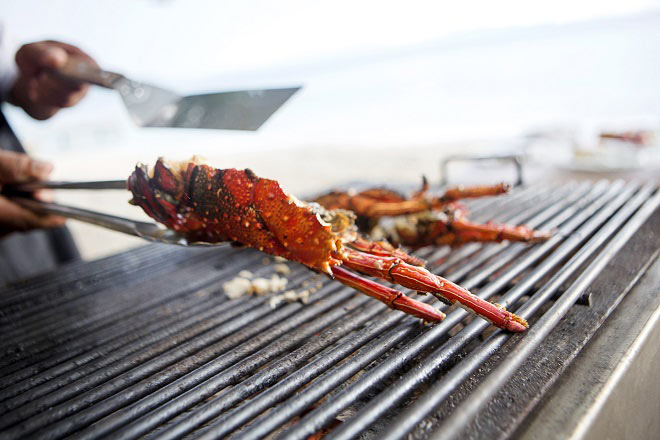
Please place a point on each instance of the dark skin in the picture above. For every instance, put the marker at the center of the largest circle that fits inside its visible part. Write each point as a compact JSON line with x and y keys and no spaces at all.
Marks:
{"x":41,"y":93}
{"x":20,"y":168}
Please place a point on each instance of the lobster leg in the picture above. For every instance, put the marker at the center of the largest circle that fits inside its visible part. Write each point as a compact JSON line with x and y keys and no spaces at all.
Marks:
{"x":465,"y":192}
{"x":399,"y":272}
{"x":392,"y":297}
{"x":462,"y":231}
{"x":365,"y":206}
{"x":384,"y":249}
{"x":391,"y":209}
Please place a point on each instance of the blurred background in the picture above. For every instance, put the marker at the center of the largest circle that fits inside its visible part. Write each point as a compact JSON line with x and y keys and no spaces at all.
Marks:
{"x":389,"y":89}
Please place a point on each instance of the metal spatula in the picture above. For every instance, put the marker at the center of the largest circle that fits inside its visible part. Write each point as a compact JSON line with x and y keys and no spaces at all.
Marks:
{"x":151,"y":106}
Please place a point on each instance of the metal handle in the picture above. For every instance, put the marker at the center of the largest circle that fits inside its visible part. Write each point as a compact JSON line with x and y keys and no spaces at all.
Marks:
{"x":148,"y":231}
{"x":105,"y":220}
{"x":82,"y":70}
{"x":32,"y":186}
{"x":516,"y":159}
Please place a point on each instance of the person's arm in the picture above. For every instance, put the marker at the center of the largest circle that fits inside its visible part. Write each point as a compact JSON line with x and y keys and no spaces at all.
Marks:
{"x":20,"y":168}
{"x":37,"y":89}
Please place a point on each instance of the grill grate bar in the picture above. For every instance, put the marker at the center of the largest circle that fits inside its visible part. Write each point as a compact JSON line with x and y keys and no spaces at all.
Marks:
{"x":515,"y":201}
{"x":486,"y":204}
{"x":203,"y":314}
{"x":545,"y":218}
{"x":165,"y":394}
{"x":82,"y":418}
{"x":44,"y":321}
{"x":324,"y":385}
{"x":391,"y":397}
{"x":322,"y":415}
{"x":94,"y":308}
{"x":197,"y":337}
{"x":598,"y":196}
{"x":520,"y":212}
{"x":166,"y":291}
{"x":43,"y":305}
{"x":381,"y":341}
{"x":78,"y":274}
{"x":453,"y":426}
{"x":263,"y":378}
{"x":164,"y":336}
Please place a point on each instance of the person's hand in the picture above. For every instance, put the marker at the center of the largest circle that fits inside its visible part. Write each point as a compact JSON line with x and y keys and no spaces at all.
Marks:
{"x":20,"y":168}
{"x":38,"y":90}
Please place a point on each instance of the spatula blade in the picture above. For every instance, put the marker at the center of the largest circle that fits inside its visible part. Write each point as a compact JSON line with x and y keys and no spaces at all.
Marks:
{"x":146,"y":103}
{"x":238,"y":110}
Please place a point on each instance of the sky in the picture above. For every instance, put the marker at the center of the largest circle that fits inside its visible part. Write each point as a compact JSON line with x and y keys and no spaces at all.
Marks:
{"x":175,"y":40}
{"x":374,"y":72}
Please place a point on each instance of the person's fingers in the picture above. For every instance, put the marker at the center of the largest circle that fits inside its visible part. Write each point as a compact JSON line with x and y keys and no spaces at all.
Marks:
{"x":34,"y":57}
{"x":16,"y":218}
{"x":17,"y":168}
{"x":37,"y":89}
{"x":45,"y":195}
{"x":73,"y":50}
{"x":50,"y":90}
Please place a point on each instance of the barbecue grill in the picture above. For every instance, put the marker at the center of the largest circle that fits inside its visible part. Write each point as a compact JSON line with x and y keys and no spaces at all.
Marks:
{"x":146,"y":344}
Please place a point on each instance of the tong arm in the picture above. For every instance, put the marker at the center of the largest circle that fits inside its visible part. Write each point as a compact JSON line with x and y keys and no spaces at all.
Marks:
{"x":100,"y":184}
{"x":149,"y":231}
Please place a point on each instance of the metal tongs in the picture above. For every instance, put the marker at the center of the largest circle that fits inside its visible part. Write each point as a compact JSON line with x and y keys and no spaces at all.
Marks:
{"x":21,"y":194}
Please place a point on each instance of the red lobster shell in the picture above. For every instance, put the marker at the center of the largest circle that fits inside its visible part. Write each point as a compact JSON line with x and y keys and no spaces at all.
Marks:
{"x":428,"y":220}
{"x":213,"y":205}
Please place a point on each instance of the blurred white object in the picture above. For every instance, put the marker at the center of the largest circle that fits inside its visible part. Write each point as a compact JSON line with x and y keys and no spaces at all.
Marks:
{"x":589,"y":151}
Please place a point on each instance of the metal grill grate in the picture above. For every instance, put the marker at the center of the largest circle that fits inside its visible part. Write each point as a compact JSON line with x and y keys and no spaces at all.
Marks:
{"x":146,"y":344}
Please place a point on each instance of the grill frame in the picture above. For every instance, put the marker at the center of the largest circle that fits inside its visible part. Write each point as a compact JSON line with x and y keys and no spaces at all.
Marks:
{"x":322,"y":341}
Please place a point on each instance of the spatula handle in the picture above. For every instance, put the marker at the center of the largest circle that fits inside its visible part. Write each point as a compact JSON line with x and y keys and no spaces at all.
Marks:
{"x":81,"y":70}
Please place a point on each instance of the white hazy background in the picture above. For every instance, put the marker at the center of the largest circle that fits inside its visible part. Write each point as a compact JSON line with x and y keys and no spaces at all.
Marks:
{"x":389,"y":87}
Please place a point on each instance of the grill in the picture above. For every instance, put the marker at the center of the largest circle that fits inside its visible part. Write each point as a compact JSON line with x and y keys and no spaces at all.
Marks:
{"x":145,"y":343}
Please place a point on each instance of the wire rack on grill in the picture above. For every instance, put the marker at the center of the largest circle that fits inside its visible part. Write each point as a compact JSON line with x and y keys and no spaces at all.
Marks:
{"x":146,"y":344}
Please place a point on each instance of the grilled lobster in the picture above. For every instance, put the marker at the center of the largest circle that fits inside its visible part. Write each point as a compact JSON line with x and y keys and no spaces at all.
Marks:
{"x":428,"y":220}
{"x":216,"y":205}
